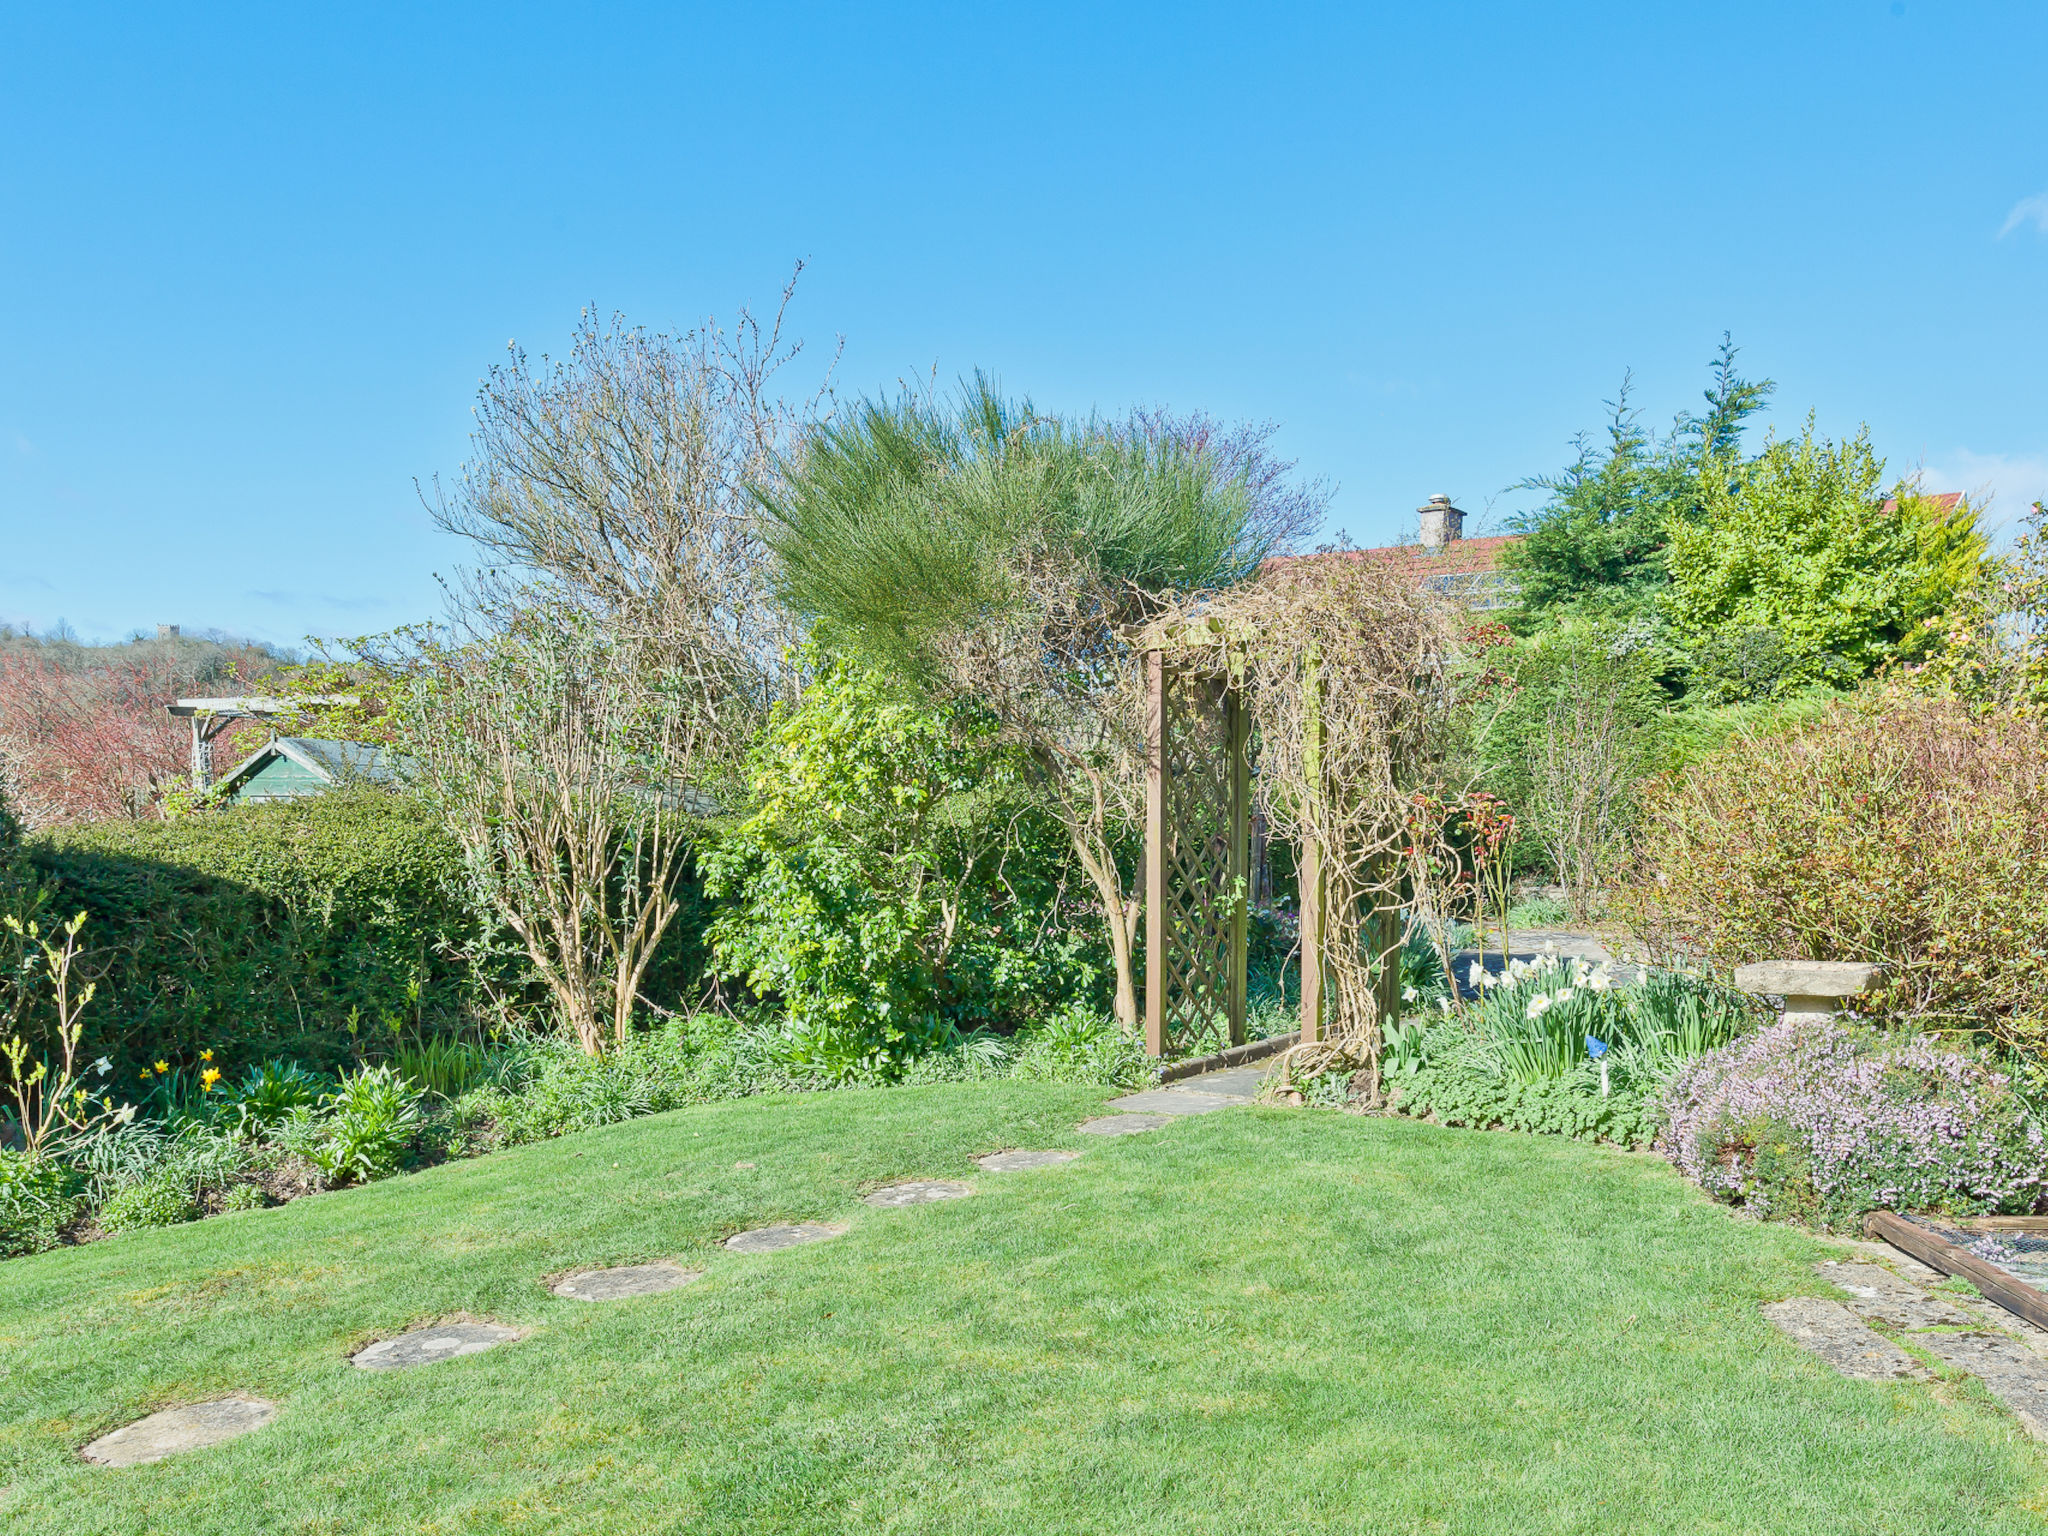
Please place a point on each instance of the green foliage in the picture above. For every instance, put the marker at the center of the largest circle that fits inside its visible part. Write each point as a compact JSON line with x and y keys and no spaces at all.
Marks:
{"x":1082,"y":1045}
{"x":895,"y":882}
{"x":1901,"y":828}
{"x":908,"y":520}
{"x":1597,"y":546}
{"x":443,"y":1066}
{"x":1795,"y":573}
{"x":163,"y":1199}
{"x":265,"y":930}
{"x":268,"y":1094}
{"x":368,"y":1127}
{"x":38,"y":1198}
{"x":1530,"y":1054}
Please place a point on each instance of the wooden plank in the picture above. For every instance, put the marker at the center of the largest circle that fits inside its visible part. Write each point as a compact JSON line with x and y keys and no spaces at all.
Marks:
{"x":2016,"y":1296}
{"x":2001,"y":1223}
{"x":1236,"y":1056}
{"x":1156,"y":929}
{"x":1238,"y":780}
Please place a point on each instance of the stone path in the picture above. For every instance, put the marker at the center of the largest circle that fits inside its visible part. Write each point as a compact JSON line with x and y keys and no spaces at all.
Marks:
{"x":626,"y":1280}
{"x":1223,"y":1089}
{"x":1833,"y":1332}
{"x":1123,"y":1125}
{"x":179,"y":1429}
{"x":917,"y":1192}
{"x":775,"y":1239}
{"x":1960,"y":1331}
{"x":428,"y":1346}
{"x":1017,"y":1162}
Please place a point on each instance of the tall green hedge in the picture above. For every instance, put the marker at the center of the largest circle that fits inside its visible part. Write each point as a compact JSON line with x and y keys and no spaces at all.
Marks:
{"x":266,"y":930}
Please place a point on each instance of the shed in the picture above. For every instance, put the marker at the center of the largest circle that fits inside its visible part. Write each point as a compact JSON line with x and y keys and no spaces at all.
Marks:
{"x":291,"y":767}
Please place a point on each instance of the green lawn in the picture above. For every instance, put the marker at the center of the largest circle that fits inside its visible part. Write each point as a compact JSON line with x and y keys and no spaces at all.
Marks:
{"x":1259,"y":1320}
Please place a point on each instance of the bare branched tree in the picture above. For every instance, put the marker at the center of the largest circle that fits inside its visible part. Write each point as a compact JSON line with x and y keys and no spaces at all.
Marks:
{"x":559,"y":759}
{"x":621,"y":481}
{"x":1347,"y":670}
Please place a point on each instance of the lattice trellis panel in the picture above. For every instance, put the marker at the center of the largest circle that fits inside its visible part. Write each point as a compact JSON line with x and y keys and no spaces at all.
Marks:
{"x":1197,"y":860}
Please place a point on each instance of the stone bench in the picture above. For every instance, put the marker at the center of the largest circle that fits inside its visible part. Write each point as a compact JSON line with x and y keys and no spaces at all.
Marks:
{"x":1811,"y":988}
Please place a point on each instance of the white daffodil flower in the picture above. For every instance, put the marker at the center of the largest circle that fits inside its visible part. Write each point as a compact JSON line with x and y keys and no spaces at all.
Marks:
{"x":1539,"y":1005}
{"x":103,"y":1066}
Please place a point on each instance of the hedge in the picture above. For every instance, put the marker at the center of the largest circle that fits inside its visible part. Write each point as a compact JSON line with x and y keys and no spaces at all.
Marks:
{"x":292,"y":929}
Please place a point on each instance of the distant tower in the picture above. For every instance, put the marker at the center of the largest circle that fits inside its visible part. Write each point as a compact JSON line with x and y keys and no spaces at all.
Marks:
{"x":167,"y":631}
{"x":1442,"y":523}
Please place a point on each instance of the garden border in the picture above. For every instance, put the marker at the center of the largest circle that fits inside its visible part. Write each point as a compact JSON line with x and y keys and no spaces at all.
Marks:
{"x":2016,"y":1296}
{"x":1230,"y":1056}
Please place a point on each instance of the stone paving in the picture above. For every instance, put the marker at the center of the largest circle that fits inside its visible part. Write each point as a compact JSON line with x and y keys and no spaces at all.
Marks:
{"x":1224,"y":1089}
{"x":917,"y":1192}
{"x":1968,"y":1333}
{"x":1017,"y":1162}
{"x":792,"y":1235}
{"x":625,"y":1281}
{"x":1123,"y":1125}
{"x":431,"y":1345}
{"x":179,"y":1429}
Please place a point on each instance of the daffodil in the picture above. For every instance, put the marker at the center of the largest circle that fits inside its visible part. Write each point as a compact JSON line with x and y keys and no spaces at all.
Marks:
{"x":1539,"y":1005}
{"x":208,"y":1078}
{"x":163,"y":1066}
{"x":206,"y":1055}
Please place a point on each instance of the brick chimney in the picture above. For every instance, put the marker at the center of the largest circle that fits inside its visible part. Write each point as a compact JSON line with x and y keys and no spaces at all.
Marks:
{"x":1442,"y":523}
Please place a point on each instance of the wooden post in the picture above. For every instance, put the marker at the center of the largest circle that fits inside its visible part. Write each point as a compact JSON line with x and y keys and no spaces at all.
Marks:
{"x":1156,"y":832}
{"x":1237,"y":736}
{"x":1315,"y":893}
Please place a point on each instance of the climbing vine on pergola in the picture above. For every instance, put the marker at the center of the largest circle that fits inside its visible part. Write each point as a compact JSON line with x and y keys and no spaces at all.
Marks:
{"x":1341,"y":672}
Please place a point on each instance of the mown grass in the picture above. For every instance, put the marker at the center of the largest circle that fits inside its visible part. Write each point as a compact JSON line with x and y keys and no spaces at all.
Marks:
{"x":1259,"y":1320}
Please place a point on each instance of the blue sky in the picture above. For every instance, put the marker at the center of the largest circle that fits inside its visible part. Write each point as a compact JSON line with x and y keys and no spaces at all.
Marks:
{"x":254,"y":261}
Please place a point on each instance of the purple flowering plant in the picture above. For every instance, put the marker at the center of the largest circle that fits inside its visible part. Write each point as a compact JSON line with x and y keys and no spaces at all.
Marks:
{"x":1819,"y":1121}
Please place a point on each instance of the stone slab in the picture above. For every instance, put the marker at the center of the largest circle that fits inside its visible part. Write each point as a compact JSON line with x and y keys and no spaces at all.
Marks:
{"x":430,"y":1346}
{"x":1174,"y":1101}
{"x":1017,"y":1162}
{"x":1123,"y":1125}
{"x":624,"y":1281}
{"x":1845,"y":1341}
{"x":1807,"y":978}
{"x":179,"y":1429}
{"x":1229,"y":1082}
{"x":918,"y":1192}
{"x":1880,"y":1296}
{"x":775,"y":1239}
{"x":2013,"y":1373}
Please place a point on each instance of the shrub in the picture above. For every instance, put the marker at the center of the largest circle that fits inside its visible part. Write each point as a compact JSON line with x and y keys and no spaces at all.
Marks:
{"x":1819,"y":1121}
{"x":895,"y":882}
{"x":37,"y":1200}
{"x":1900,"y":829}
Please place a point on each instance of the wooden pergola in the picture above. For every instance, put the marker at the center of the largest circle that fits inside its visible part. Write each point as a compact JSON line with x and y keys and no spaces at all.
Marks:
{"x":1198,"y":849}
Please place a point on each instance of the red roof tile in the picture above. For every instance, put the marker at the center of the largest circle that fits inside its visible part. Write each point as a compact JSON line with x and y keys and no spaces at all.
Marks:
{"x":1460,"y":557}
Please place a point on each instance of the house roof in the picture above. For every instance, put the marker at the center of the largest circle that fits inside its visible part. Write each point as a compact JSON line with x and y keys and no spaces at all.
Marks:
{"x":1460,"y":557}
{"x":332,"y":761}
{"x":1943,"y":500}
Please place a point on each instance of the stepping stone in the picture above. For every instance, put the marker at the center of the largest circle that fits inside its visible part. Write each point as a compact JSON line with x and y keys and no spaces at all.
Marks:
{"x":179,"y":1429}
{"x":626,"y":1280}
{"x":1882,"y":1297}
{"x":2015,"y":1375}
{"x":918,"y":1192}
{"x":1124,"y":1125}
{"x":775,"y":1239}
{"x":1175,"y":1101}
{"x":1017,"y":1162}
{"x":425,"y":1346}
{"x":1838,"y":1336}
